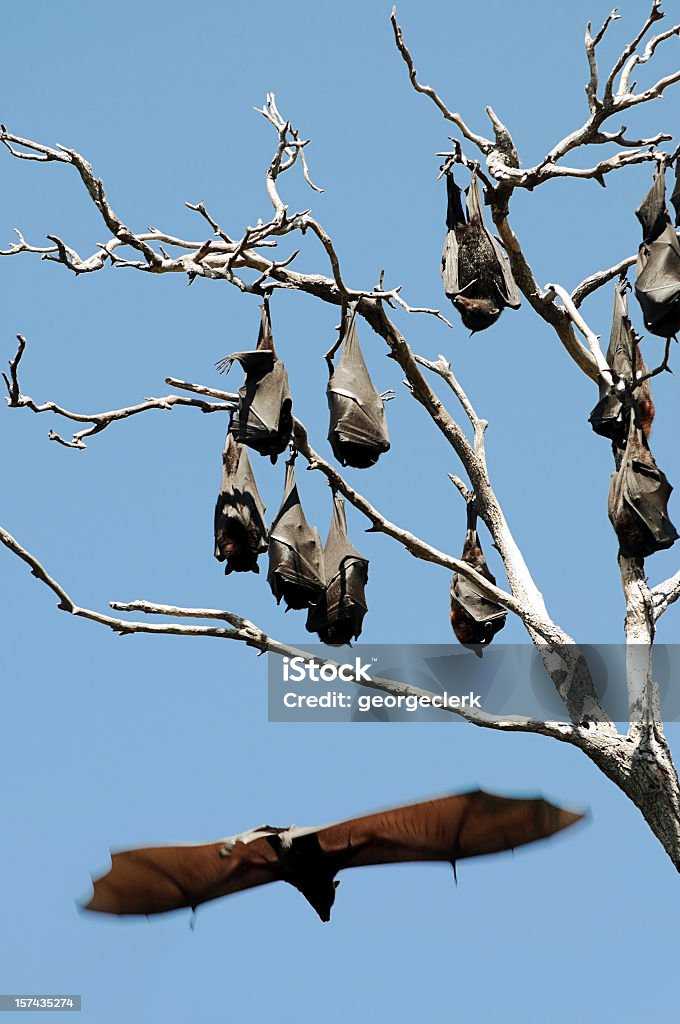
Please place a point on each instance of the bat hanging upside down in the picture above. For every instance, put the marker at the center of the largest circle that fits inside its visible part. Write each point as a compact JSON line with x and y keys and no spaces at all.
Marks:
{"x":475,"y":619}
{"x":162,"y":878}
{"x":475,"y":270}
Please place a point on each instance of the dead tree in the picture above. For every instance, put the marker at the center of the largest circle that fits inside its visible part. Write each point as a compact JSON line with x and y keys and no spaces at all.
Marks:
{"x":638,"y":761}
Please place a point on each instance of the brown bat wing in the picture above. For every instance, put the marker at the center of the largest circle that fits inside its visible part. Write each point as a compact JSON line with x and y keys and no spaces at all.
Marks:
{"x":161,"y":878}
{"x":448,"y":829}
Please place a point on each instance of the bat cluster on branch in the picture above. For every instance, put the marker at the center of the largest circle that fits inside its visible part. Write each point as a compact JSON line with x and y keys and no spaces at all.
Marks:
{"x":639,"y":491}
{"x":329,"y":581}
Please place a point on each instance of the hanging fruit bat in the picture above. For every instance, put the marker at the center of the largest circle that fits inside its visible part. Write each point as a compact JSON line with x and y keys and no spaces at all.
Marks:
{"x":358,"y":427}
{"x":264,"y":418}
{"x":240,"y":530}
{"x":609,"y":418}
{"x":475,"y":619}
{"x":657,"y":286}
{"x":163,"y":878}
{"x":296,"y":571}
{"x":638,"y":499}
{"x":338,"y":615}
{"x":675,"y":198}
{"x":475,"y":270}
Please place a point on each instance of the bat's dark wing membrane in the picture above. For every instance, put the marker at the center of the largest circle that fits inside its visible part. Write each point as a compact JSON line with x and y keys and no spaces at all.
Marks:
{"x":159,"y":879}
{"x":450,"y":265}
{"x":504,"y":282}
{"x":162,"y":878}
{"x":296,"y":571}
{"x":240,"y":528}
{"x":675,"y":198}
{"x":474,"y":618}
{"x":358,"y":426}
{"x":264,"y":417}
{"x":638,"y":500}
{"x":455,"y":218}
{"x":475,"y":270}
{"x":652,"y":212}
{"x":609,"y":418}
{"x":507,"y":290}
{"x":338,"y":615}
{"x":657,"y":284}
{"x":448,"y":829}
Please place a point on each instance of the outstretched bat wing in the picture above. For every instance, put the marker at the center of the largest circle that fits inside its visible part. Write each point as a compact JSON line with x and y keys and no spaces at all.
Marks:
{"x":358,"y":427}
{"x":296,"y":570}
{"x":449,"y":829}
{"x":157,"y":879}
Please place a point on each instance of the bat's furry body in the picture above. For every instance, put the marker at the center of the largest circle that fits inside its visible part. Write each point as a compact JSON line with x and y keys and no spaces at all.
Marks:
{"x":240,"y":529}
{"x":296,"y":570}
{"x":264,"y":417}
{"x":609,"y":418}
{"x":657,"y":284}
{"x":476,"y":275}
{"x":338,"y":615}
{"x":475,"y":620}
{"x":358,"y":426}
{"x":638,"y":499}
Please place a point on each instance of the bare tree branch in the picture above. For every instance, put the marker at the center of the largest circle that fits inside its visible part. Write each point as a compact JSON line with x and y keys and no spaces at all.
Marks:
{"x":591,"y":44}
{"x":665,"y":594}
{"x":597,"y":280}
{"x":248,"y":633}
{"x":442,"y":367}
{"x":502,"y":159}
{"x":101,"y":420}
{"x":483,"y":144}
{"x":590,"y":336}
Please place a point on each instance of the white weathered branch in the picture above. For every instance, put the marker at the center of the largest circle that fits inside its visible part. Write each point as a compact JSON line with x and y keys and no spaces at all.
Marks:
{"x":590,"y":336}
{"x":597,"y":280}
{"x":252,"y":636}
{"x":665,"y":594}
{"x":101,"y":420}
{"x":442,"y":367}
{"x":485,"y":145}
{"x":502,"y":159}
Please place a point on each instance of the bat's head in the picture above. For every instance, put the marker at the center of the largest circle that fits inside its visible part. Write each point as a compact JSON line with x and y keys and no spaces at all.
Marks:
{"x":320,"y":892}
{"x":476,"y":314}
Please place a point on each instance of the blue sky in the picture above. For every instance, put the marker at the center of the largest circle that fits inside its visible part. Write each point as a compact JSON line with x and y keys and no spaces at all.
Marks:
{"x":110,"y":742}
